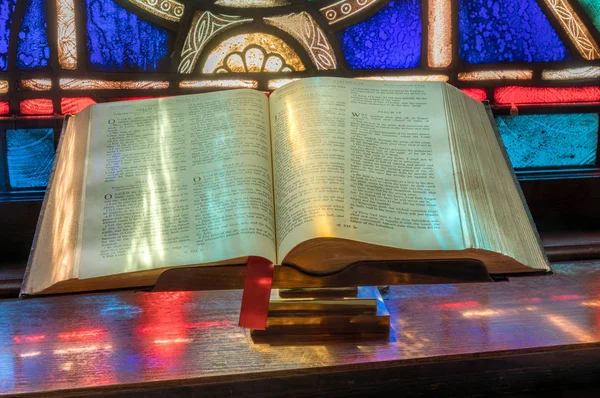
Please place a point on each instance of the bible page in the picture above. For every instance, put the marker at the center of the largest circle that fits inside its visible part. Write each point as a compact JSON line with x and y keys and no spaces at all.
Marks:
{"x":366,"y":161}
{"x":177,"y":181}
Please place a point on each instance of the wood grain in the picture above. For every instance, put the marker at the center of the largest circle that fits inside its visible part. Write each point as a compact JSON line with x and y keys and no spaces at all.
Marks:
{"x":491,"y":337}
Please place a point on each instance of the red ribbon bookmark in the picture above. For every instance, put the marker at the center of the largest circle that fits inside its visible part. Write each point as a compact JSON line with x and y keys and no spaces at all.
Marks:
{"x":257,"y":292}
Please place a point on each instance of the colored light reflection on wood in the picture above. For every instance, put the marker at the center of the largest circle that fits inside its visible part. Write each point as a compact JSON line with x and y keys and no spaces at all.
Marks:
{"x":81,"y":334}
{"x":571,"y":328}
{"x":38,"y":106}
{"x":79,"y":350}
{"x":172,"y":341}
{"x":563,"y":297}
{"x":458,"y":305}
{"x":530,"y":300}
{"x":75,"y":105}
{"x":546,"y":95}
{"x":30,"y":354}
{"x":29,"y":338}
{"x":482,"y":314}
{"x":478,"y":94}
{"x":162,"y":328}
{"x":591,"y":303}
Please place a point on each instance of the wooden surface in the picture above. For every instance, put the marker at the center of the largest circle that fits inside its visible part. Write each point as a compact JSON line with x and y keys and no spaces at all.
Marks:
{"x":531,"y":332}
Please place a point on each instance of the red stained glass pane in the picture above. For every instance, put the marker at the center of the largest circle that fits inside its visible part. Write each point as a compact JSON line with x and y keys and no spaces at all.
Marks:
{"x":74,"y":105}
{"x":4,"y":108}
{"x":546,"y":95}
{"x":38,"y":106}
{"x":478,"y":94}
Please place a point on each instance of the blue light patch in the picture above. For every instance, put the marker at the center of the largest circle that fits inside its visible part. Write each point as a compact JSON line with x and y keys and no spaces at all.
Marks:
{"x":550,"y":140}
{"x":390,"y":39}
{"x":30,"y":153}
{"x":120,"y":41}
{"x":33,"y":50}
{"x":507,"y":31}
{"x":7,"y":7}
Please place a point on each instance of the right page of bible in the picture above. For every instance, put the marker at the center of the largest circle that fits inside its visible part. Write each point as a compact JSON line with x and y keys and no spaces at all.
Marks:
{"x":364,"y":161}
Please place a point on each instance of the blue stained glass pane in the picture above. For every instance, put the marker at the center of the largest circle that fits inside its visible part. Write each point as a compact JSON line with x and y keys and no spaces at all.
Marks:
{"x":550,"y":140}
{"x":29,"y":155}
{"x":390,"y":39}
{"x":119,"y":41}
{"x":507,"y":31}
{"x":7,"y":7}
{"x":33,"y":50}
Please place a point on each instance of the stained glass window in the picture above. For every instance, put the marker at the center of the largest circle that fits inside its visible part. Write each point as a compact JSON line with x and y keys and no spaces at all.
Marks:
{"x":7,"y":9}
{"x":550,"y":140}
{"x":33,"y":50}
{"x":118,"y":40}
{"x":507,"y":31}
{"x":29,"y":157}
{"x":532,"y":57}
{"x":391,"y":39}
{"x":592,"y":8}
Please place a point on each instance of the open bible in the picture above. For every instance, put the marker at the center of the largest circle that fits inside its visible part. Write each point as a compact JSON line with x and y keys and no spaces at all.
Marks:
{"x":325,"y":173}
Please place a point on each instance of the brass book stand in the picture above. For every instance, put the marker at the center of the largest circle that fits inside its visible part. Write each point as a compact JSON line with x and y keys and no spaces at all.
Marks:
{"x":352,"y":310}
{"x":303,"y":303}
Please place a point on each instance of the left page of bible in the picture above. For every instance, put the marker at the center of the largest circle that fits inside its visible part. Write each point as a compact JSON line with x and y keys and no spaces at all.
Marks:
{"x":177,"y":181}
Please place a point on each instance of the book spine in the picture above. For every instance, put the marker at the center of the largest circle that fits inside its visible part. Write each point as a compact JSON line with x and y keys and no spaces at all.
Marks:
{"x":25,"y":286}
